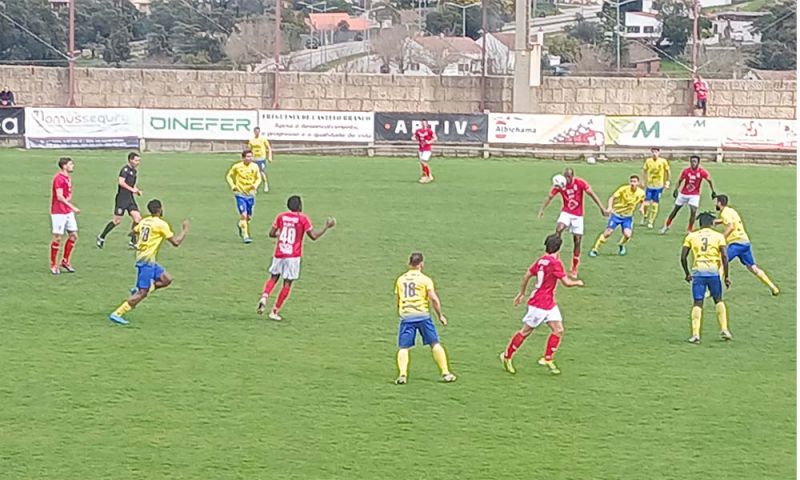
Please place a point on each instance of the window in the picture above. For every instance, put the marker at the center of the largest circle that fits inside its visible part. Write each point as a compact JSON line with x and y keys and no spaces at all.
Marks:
{"x":649,"y":29}
{"x":463,"y":68}
{"x":413,"y":66}
{"x":633,"y":29}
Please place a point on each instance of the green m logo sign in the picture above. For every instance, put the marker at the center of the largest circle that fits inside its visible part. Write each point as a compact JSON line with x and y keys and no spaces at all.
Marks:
{"x":645,"y":132}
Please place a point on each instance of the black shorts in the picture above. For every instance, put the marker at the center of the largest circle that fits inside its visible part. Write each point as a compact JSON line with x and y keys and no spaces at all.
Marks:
{"x":701,"y":104}
{"x":124,"y":204}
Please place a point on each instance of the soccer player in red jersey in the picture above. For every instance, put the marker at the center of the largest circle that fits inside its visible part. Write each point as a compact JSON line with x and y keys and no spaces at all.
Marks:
{"x":62,"y":214}
{"x":425,"y":136}
{"x":542,"y":308}
{"x":571,"y":216}
{"x":692,"y":181}
{"x":289,"y":228}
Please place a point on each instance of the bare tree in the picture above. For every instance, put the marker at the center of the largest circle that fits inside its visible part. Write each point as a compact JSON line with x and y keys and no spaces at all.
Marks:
{"x":252,"y":42}
{"x":390,"y":45}
{"x":435,"y":55}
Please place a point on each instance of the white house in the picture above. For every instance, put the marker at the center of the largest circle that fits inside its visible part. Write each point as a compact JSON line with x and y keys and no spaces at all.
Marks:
{"x":440,"y":55}
{"x":499,"y":52}
{"x":642,"y":25}
{"x":736,"y":27}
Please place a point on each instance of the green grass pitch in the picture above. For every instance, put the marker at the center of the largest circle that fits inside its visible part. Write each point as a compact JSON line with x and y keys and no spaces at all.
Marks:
{"x":199,"y":387}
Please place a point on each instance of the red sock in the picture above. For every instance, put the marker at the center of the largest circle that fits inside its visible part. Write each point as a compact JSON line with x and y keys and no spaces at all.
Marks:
{"x":576,"y":260}
{"x":689,"y":228}
{"x":269,"y":286}
{"x":514,"y":344}
{"x":669,"y":222}
{"x":552,"y":345}
{"x":68,"y":250}
{"x":426,"y":170}
{"x":282,"y":297}
{"x":54,"y":246}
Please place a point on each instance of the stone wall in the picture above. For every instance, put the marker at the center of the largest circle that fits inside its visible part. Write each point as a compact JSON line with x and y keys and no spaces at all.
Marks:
{"x":95,"y":87}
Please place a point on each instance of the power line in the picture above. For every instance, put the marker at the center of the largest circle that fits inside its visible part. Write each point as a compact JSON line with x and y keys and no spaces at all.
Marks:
{"x":37,"y":37}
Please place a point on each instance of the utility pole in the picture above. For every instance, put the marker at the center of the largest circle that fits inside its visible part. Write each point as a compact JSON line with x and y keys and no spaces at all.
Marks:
{"x":485,"y":32}
{"x":71,"y":46}
{"x":619,"y":33}
{"x":277,"y":57}
{"x":695,"y":32}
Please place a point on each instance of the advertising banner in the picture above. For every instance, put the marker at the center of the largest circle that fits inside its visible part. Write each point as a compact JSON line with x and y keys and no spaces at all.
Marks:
{"x":531,"y":129}
{"x":449,"y":128}
{"x":744,"y":134}
{"x":663,"y":131}
{"x":199,"y":124}
{"x":12,"y":121}
{"x":314,"y":126}
{"x":82,"y":127}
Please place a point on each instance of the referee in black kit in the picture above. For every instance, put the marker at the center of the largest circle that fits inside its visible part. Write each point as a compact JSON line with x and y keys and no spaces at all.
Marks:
{"x":125,"y":201}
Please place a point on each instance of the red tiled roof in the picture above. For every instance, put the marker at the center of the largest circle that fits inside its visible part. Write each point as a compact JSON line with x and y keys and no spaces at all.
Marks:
{"x":330,"y":21}
{"x":506,"y":39}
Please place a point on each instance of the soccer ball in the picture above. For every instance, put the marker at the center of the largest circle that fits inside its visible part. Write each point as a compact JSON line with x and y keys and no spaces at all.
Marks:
{"x":559,"y":181}
{"x":591,"y":160}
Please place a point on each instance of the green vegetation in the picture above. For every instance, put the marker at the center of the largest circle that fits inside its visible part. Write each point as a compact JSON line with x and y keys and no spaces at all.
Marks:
{"x":199,"y":387}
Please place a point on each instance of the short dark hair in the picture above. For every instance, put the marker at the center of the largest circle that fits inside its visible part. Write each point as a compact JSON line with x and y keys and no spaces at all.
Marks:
{"x":634,"y":176}
{"x":257,"y":128}
{"x":722,"y":200}
{"x":706,"y":219}
{"x":692,"y":157}
{"x":154,"y":206}
{"x":132,"y":155}
{"x":415,"y":259}
{"x":295,"y":203}
{"x":552,"y":243}
{"x":655,"y":148}
{"x":63,"y":161}
{"x":245,"y":152}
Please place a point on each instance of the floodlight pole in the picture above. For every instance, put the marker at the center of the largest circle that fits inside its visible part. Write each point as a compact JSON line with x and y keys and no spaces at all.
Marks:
{"x":71,"y":64}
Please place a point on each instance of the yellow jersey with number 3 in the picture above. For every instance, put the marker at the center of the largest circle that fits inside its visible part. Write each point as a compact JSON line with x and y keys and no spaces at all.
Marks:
{"x":259,"y":146}
{"x":706,"y":245}
{"x":626,"y":200}
{"x":150,"y":233}
{"x":412,"y":290}
{"x":730,"y":217}
{"x":656,"y":170}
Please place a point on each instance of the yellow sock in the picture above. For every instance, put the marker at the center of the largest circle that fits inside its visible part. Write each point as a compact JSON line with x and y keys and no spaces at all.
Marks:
{"x":402,"y":361}
{"x":697,"y":320}
{"x":722,"y":316}
{"x":245,"y":226}
{"x":600,"y":241}
{"x":646,"y":212}
{"x":762,"y":275}
{"x":123,"y":309}
{"x":441,"y":358}
{"x":653,"y":212}
{"x":624,"y":240}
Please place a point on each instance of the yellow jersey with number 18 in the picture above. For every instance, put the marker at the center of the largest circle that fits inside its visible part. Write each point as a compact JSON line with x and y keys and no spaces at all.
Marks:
{"x":706,"y":245}
{"x":150,"y":232}
{"x":412,"y":290}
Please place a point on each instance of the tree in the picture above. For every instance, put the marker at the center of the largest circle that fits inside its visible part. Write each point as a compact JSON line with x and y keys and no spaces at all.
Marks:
{"x":38,"y":17}
{"x":448,"y":20}
{"x":676,"y":26}
{"x":778,"y":48}
{"x":117,"y":47}
{"x":390,"y":45}
{"x":586,"y":32}
{"x":435,"y":55}
{"x":566,"y":47}
{"x":608,"y":29}
{"x":253,"y":42}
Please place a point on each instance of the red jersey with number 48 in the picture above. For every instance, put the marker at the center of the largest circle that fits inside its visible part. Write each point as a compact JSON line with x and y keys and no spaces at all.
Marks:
{"x":292,"y":227}
{"x":572,"y":196}
{"x":547,"y":271}
{"x":424,"y":136}
{"x":63,"y":182}
{"x":692,"y":180}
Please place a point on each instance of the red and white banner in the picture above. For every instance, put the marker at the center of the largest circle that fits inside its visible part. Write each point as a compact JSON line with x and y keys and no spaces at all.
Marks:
{"x":759,"y":134}
{"x":533,"y":129}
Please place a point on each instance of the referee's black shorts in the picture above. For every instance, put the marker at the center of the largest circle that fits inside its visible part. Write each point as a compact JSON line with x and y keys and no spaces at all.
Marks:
{"x":124,"y":204}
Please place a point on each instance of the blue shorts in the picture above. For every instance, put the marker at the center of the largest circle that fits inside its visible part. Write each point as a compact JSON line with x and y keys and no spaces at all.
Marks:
{"x":245,"y":204}
{"x":743,"y":252}
{"x":615,"y":221}
{"x":408,"y":332}
{"x":653,"y":194}
{"x":710,"y":282}
{"x":147,"y":274}
{"x":262,"y":163}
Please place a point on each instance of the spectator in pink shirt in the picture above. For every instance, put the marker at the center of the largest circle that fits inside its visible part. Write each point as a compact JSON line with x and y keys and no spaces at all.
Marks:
{"x":700,"y":92}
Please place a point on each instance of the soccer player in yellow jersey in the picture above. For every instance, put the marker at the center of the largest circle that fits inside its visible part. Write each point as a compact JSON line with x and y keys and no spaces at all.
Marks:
{"x":244,"y":178}
{"x":657,"y":176}
{"x":739,"y":242}
{"x":262,"y":152}
{"x":414,"y":291}
{"x":151,"y":232}
{"x":709,"y":250}
{"x":621,"y":204}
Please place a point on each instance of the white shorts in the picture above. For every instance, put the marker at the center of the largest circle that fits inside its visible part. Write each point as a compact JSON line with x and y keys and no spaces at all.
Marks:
{"x":691,"y":200}
{"x":538,"y":316}
{"x":574,"y":223}
{"x":287,"y":268}
{"x":64,"y":222}
{"x":424,"y":156}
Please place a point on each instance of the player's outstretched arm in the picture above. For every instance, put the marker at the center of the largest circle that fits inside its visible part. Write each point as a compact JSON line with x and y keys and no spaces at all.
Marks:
{"x":568,"y":282}
{"x":685,"y":263}
{"x":523,"y":287}
{"x":176,"y":240}
{"x":711,"y":185}
{"x":437,"y":306}
{"x":723,"y":253}
{"x":546,"y":203}
{"x":597,"y":202}
{"x":315,"y":234}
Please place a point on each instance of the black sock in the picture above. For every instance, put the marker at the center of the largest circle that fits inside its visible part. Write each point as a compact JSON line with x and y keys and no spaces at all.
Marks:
{"x":109,"y":226}
{"x":133,"y":238}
